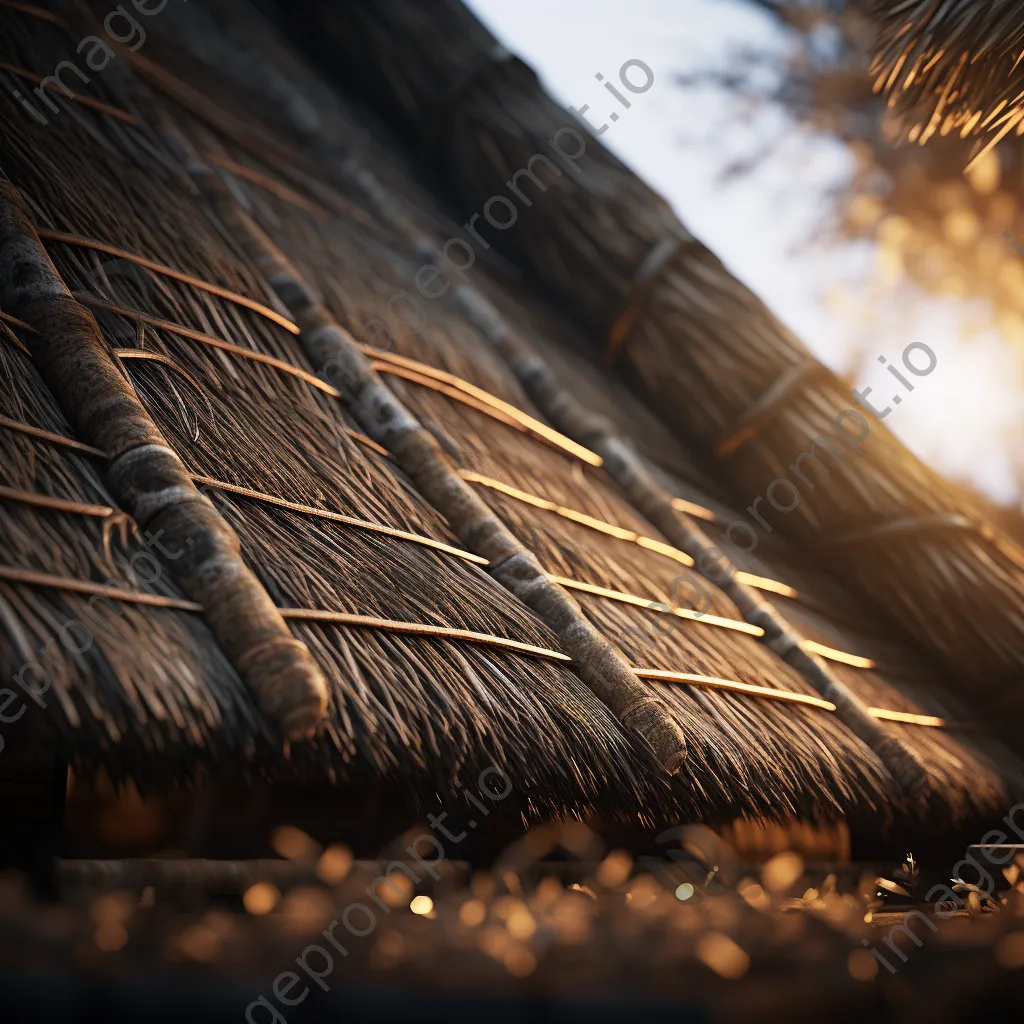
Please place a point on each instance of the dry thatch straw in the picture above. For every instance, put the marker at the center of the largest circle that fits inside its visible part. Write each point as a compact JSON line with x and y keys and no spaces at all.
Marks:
{"x":951,"y":66}
{"x":456,"y":433}
{"x":412,"y":708}
{"x":652,"y":500}
{"x":418,"y":453}
{"x":151,"y":482}
{"x":703,"y":350}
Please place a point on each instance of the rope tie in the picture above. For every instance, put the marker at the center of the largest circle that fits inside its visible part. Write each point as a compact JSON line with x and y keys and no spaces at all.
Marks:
{"x":644,"y":280}
{"x":764,"y":409}
{"x":30,"y":577}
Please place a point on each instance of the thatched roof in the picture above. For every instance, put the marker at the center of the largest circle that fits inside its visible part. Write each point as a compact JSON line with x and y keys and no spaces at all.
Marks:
{"x":951,"y":66}
{"x":407,"y":506}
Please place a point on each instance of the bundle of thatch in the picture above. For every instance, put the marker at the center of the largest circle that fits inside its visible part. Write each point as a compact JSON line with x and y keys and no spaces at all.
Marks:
{"x":951,"y":66}
{"x":799,"y":451}
{"x":399,"y":498}
{"x":323,"y":520}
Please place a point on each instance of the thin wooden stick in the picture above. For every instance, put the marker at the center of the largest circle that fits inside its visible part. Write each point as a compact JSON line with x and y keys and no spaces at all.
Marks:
{"x":13,"y":574}
{"x":462,"y":390}
{"x":654,"y":503}
{"x":618,"y":532}
{"x":66,"y":238}
{"x":600,"y":664}
{"x":207,"y":339}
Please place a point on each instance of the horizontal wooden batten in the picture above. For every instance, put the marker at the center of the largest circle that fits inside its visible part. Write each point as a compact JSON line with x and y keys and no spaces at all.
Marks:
{"x":651,"y":604}
{"x":338,"y":517}
{"x":78,"y":241}
{"x":13,"y":574}
{"x":54,"y":504}
{"x":415,"y":371}
{"x":618,"y":532}
{"x":705,"y":619}
{"x":206,"y":339}
{"x":60,"y":90}
{"x":48,"y":501}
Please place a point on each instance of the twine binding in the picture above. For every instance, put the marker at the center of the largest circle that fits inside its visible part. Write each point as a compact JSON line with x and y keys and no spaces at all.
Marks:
{"x":763,"y":411}
{"x":644,"y":280}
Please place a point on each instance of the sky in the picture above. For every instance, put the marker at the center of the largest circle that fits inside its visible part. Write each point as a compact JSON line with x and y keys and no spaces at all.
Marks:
{"x":680,"y":140}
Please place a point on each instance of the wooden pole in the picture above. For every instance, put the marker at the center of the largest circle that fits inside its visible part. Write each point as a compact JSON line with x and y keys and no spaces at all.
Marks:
{"x":150,"y":482}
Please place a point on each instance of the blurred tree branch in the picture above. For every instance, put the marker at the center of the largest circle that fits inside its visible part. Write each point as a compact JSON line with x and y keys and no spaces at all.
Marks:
{"x":947,"y":232}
